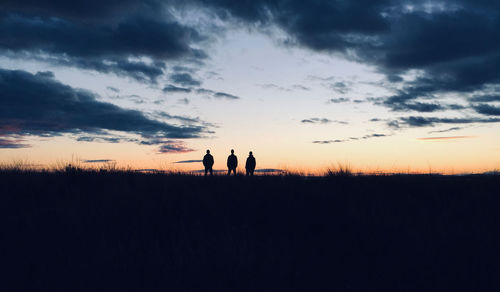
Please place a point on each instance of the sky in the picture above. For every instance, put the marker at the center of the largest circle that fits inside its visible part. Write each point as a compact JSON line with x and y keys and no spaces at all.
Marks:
{"x":379,"y":85}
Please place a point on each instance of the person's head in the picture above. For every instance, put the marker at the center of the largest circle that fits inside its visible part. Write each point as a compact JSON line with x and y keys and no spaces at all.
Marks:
{"x":208,"y":151}
{"x":250,"y":153}
{"x":232,"y":151}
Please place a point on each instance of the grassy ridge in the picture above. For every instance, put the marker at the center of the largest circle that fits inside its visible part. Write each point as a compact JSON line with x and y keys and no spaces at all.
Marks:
{"x":124,"y":231}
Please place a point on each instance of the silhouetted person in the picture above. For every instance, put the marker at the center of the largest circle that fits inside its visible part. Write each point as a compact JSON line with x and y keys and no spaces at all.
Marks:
{"x":250,"y":165}
{"x":232,"y":163}
{"x":208,"y":162}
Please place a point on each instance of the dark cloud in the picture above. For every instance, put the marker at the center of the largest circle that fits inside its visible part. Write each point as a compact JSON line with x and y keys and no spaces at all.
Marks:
{"x":225,"y":95}
{"x":368,"y":136}
{"x":338,"y":100}
{"x":173,"y":147}
{"x":415,"y":106}
{"x":485,"y":98}
{"x":178,"y":68}
{"x":405,"y":100}
{"x":447,"y":130}
{"x":439,"y":47}
{"x":455,"y":107}
{"x":79,"y":10}
{"x":110,"y":39}
{"x":316,"y":24}
{"x":47,"y":74}
{"x":374,"y":136}
{"x":174,"y":89}
{"x":316,"y":121}
{"x":486,"y":109}
{"x":152,"y":142}
{"x":189,"y":161}
{"x":104,"y":137}
{"x":41,"y":106}
{"x":10,"y":143}
{"x":322,"y":121}
{"x":101,"y":139}
{"x":418,"y":121}
{"x":204,"y":91}
{"x":329,"y":141}
{"x":184,"y":79}
{"x":183,"y":119}
{"x":216,"y":94}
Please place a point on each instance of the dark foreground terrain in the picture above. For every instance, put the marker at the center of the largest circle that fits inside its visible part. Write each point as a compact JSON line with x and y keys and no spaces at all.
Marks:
{"x":146,"y":232}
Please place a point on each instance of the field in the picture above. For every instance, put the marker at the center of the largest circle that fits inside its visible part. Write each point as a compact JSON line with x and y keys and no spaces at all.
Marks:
{"x":125,"y":231}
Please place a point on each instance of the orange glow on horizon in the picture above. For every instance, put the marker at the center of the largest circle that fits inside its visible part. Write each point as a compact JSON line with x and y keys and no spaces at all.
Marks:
{"x":404,"y":153}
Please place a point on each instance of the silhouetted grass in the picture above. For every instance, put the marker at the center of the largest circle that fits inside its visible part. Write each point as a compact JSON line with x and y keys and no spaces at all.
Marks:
{"x":89,"y":230}
{"x":340,"y":170}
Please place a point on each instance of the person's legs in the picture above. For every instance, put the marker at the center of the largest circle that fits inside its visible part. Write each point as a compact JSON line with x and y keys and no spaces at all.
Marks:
{"x":251,"y":172}
{"x":228,"y":171}
{"x":206,"y":170}
{"x":211,"y":171}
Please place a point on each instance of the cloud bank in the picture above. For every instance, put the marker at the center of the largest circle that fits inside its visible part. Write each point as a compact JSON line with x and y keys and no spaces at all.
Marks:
{"x":38,"y":105}
{"x":129,"y":38}
{"x":426,"y":50}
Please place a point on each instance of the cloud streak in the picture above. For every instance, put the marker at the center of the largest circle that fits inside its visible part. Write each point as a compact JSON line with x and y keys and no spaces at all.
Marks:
{"x":175,"y":89}
{"x":6,"y":143}
{"x":184,"y":79}
{"x":447,"y":130}
{"x":173,"y":147}
{"x":322,"y":121}
{"x":419,"y":121}
{"x":339,"y":100}
{"x":216,"y":94}
{"x":225,"y":95}
{"x":369,"y":136}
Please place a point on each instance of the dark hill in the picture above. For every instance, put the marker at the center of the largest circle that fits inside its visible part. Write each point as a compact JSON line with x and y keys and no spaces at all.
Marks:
{"x":88,"y":231}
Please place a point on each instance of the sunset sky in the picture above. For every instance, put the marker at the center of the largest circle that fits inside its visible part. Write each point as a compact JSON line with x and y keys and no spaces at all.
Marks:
{"x":390,"y":86}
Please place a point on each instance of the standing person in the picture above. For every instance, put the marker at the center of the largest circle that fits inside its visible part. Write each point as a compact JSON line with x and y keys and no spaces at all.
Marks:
{"x":232,"y":163}
{"x":208,"y":162}
{"x":250,"y":165}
